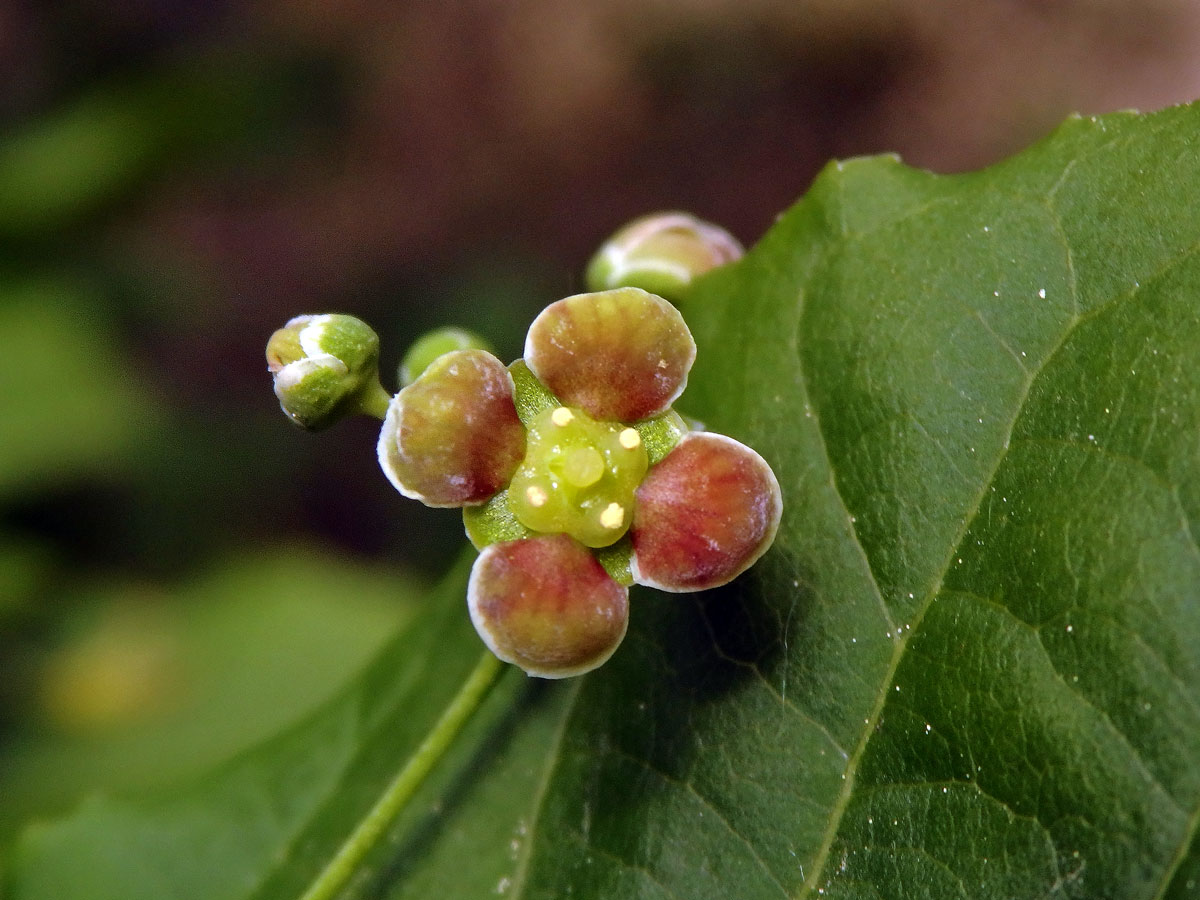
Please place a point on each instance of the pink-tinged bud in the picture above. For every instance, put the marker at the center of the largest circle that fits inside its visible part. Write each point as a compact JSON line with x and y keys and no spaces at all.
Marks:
{"x":661,"y":253}
{"x":704,"y":514}
{"x":452,"y":437}
{"x":546,"y":605}
{"x":620,"y":355}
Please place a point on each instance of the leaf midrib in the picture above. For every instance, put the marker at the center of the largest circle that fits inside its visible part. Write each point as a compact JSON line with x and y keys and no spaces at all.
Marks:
{"x":553,"y":756}
{"x":899,"y":638}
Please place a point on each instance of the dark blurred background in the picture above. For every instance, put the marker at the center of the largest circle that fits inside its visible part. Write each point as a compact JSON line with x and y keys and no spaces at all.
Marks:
{"x":181,"y":571}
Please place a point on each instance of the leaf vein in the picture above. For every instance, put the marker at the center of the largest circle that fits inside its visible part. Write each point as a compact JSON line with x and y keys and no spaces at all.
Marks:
{"x":970,"y":514}
{"x":770,"y":686}
{"x":553,"y":756}
{"x":708,"y":804}
{"x":1133,"y":752}
{"x":582,"y":840}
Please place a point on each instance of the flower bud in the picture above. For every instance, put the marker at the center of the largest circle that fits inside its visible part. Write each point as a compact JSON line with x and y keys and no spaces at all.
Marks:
{"x":437,"y":343}
{"x":325,"y":368}
{"x":661,"y":253}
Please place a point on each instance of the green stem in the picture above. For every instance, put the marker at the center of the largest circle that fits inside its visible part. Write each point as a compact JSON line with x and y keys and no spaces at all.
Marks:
{"x":374,"y":400}
{"x":371,"y":829}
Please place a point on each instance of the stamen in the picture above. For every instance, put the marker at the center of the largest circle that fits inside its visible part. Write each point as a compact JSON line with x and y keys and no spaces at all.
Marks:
{"x":613,"y":516}
{"x":578,"y":476}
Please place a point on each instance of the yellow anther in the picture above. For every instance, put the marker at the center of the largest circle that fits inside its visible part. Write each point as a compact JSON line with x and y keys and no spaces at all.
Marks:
{"x":613,"y":516}
{"x":629,"y":438}
{"x":535,"y":495}
{"x":562,"y":416}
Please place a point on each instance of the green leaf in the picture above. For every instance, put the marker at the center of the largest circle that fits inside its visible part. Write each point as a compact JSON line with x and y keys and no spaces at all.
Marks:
{"x":970,"y":666}
{"x":155,"y":684}
{"x":72,"y":405}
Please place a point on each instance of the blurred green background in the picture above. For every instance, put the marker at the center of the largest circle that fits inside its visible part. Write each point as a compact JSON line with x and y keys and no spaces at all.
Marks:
{"x":181,"y":571}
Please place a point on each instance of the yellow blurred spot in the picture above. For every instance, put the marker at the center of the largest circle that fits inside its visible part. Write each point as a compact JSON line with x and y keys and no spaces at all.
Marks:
{"x":629,"y":438}
{"x":125,"y":670}
{"x":535,"y":495}
{"x":562,"y":416}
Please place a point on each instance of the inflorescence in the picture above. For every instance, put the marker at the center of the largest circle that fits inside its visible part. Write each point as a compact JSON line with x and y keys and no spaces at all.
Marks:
{"x":575,"y":475}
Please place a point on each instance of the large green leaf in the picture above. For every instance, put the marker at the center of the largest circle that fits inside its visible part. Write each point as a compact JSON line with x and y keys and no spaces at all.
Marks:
{"x":969,"y":668}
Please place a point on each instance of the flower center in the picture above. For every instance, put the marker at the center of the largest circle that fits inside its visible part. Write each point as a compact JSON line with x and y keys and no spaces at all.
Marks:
{"x":578,"y":477}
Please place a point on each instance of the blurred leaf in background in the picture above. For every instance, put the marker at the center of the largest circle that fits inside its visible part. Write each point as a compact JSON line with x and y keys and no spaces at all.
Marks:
{"x":74,"y":406}
{"x":152,"y":685}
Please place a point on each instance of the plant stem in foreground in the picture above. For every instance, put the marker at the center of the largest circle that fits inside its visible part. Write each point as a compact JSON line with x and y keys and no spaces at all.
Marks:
{"x":371,"y":829}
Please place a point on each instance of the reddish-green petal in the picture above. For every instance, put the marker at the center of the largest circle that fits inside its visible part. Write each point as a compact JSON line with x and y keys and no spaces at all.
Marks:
{"x":620,"y":355}
{"x":545,"y":604}
{"x":704,"y":514}
{"x":452,"y":437}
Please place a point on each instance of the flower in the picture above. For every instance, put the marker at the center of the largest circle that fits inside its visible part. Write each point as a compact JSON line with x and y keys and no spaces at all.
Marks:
{"x":577,"y":478}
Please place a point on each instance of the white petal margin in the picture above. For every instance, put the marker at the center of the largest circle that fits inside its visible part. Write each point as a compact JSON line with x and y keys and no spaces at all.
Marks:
{"x":295,"y":372}
{"x":312,"y":333}
{"x":388,"y":450}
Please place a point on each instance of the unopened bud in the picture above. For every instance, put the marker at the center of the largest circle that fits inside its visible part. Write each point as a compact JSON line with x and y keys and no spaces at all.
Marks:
{"x":325,"y":368}
{"x":437,"y":343}
{"x":662,"y":254}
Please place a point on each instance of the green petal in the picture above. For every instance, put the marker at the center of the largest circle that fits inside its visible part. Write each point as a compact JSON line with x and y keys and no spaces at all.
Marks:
{"x":546,"y":605}
{"x":452,"y":437}
{"x":620,"y":355}
{"x":493,"y":522}
{"x":704,"y":514}
{"x":529,"y":394}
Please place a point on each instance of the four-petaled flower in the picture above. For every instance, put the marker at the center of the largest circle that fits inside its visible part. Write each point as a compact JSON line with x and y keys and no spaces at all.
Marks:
{"x":577,"y":478}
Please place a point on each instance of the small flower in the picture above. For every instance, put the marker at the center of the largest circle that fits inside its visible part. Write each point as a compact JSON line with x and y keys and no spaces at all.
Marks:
{"x":577,"y":478}
{"x":324,"y":368}
{"x":661,"y":253}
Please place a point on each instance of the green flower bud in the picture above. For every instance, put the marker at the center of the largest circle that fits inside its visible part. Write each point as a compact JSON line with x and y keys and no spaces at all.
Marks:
{"x":325,"y":368}
{"x":662,"y":254}
{"x":437,"y":343}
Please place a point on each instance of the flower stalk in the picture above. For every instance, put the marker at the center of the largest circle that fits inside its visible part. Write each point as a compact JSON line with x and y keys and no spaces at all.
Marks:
{"x":374,"y":825}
